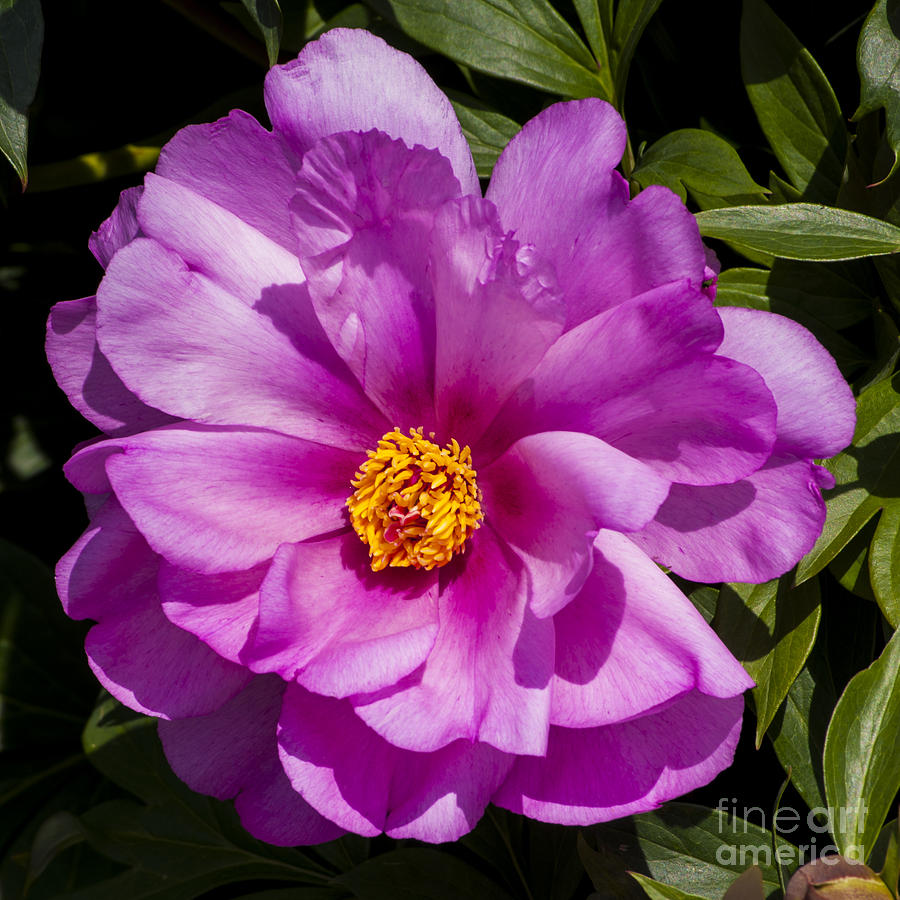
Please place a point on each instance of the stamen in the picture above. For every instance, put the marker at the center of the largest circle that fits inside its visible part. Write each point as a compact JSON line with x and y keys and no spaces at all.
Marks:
{"x":415,"y":504}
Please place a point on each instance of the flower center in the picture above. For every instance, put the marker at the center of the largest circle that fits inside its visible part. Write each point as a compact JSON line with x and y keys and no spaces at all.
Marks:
{"x":415,"y":504}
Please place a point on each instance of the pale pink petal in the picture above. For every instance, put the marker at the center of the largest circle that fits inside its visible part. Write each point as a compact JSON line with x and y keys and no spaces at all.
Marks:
{"x":751,"y":531}
{"x":596,"y":774}
{"x":218,"y":500}
{"x":338,"y":628}
{"x":488,"y":675}
{"x":629,"y":612}
{"x":433,"y":797}
{"x":351,"y":80}
{"x":232,"y":752}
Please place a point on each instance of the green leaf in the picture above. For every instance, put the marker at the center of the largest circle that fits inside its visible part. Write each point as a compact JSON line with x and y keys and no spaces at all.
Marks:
{"x":697,"y":850}
{"x":878,"y":61}
{"x":591,"y":17}
{"x":862,"y":766}
{"x":21,"y":37}
{"x":57,"y":833}
{"x":801,"y":231}
{"x":770,"y":629}
{"x":419,"y":874}
{"x":794,"y":103}
{"x":486,"y":130}
{"x":658,"y":891}
{"x":798,"y":730}
{"x":886,"y":855}
{"x":884,"y":564}
{"x":522,"y":40}
{"x":632,"y":18}
{"x":867,"y":475}
{"x":267,"y":16}
{"x":697,"y":160}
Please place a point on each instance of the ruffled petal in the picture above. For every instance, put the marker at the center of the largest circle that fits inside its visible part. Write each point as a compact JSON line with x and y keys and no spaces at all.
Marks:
{"x":220,"y":500}
{"x":556,"y":187}
{"x":108,"y":564}
{"x":629,"y":611}
{"x":351,"y":80}
{"x":816,"y":408}
{"x":750,"y":531}
{"x":119,"y":229}
{"x":642,"y":377}
{"x":221,"y":610}
{"x":238,"y":165}
{"x":214,"y":241}
{"x":87,"y":378}
{"x":363,"y":211}
{"x":596,"y":774}
{"x":484,"y":281}
{"x":550,"y":493}
{"x":190,"y":347}
{"x":433,"y":797}
{"x":149,"y":664}
{"x":338,"y":628}
{"x":487,"y":677}
{"x":232,"y":752}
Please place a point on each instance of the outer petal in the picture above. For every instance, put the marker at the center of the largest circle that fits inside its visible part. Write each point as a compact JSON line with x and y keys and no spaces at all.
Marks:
{"x":119,"y":229}
{"x":629,"y":613}
{"x":217,"y":500}
{"x":337,"y":627}
{"x":233,"y":752}
{"x":190,"y":347}
{"x":240,"y":166}
{"x":550,"y":493}
{"x":816,"y":409}
{"x":150,"y":665}
{"x":430,"y":796}
{"x":213,"y":241}
{"x":108,"y":565}
{"x":597,"y":774}
{"x":555,"y":186}
{"x":487,"y":677}
{"x":642,"y":377}
{"x":351,"y":80}
{"x":750,"y":531}
{"x":483,"y":282}
{"x":363,"y":211}
{"x":221,"y":610}
{"x":86,"y":376}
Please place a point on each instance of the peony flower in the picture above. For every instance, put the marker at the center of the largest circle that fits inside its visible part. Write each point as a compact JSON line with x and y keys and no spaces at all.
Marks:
{"x":388,"y":466}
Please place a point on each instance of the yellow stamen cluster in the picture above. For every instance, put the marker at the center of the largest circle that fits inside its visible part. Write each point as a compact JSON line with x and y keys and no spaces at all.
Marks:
{"x":415,"y":504}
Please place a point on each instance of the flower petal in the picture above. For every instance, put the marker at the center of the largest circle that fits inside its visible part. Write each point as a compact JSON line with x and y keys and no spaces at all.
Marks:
{"x":750,"y":531}
{"x":550,"y":493}
{"x":487,"y":677}
{"x":351,"y":80}
{"x":338,"y":628}
{"x":596,"y":774}
{"x":484,"y":281}
{"x":86,"y":376}
{"x":193,"y":349}
{"x":119,"y":229}
{"x":816,"y":409}
{"x":238,"y":165}
{"x":218,"y":500}
{"x":629,"y":610}
{"x":233,"y":752}
{"x":363,"y":211}
{"x":220,"y":609}
{"x":433,"y":797}
{"x":152,"y":666}
{"x":108,"y":564}
{"x":556,"y":187}
{"x":213,"y":241}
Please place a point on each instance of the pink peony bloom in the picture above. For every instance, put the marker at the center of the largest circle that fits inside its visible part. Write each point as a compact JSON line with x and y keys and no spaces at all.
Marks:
{"x":387,"y":464}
